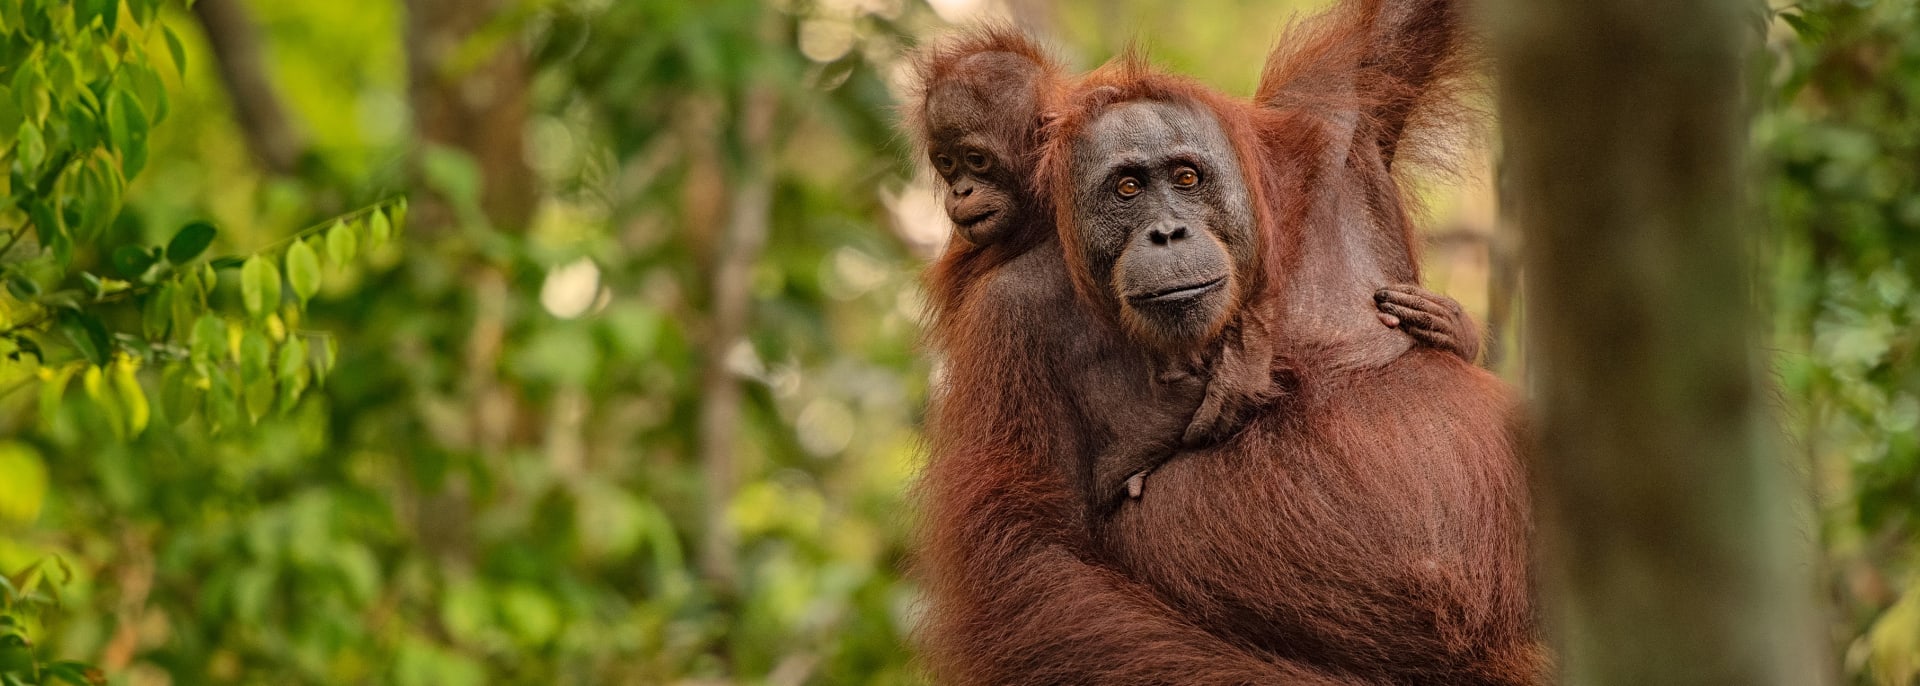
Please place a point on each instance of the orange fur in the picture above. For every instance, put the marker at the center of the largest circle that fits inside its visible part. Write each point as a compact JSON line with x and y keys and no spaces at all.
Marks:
{"x":1369,"y":528}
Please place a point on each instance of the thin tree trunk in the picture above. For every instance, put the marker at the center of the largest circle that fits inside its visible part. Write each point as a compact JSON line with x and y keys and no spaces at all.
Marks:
{"x":749,"y":217}
{"x":1668,"y":551}
{"x":479,"y":109}
{"x":1503,"y":281}
{"x":256,"y":106}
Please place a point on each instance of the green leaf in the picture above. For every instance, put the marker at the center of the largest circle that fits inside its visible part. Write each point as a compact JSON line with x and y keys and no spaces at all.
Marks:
{"x":76,"y":673}
{"x":22,"y":287}
{"x":128,"y":125}
{"x":178,"y":52}
{"x":1810,"y":28}
{"x":179,"y":394}
{"x":132,"y":260}
{"x":303,"y":271}
{"x":259,"y":286}
{"x":86,"y":11}
{"x":146,"y":84}
{"x":340,"y":244}
{"x":398,"y":213}
{"x":53,"y":390}
{"x":255,"y":351}
{"x":292,"y":371}
{"x":323,"y":358}
{"x":94,"y":380}
{"x":379,"y":229}
{"x":209,"y":339}
{"x":259,"y":398}
{"x":222,"y":406}
{"x":132,"y":398}
{"x":190,"y":241}
{"x":87,"y":335}
{"x":183,"y":306}
{"x":157,"y":314}
{"x":255,"y":355}
{"x":293,"y":358}
{"x":32,"y":147}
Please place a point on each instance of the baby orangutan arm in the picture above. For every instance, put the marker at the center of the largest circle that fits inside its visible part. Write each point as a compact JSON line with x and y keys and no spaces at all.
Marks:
{"x":1430,"y":318}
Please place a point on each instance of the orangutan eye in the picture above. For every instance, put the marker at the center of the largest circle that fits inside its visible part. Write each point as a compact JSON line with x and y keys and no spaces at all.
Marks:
{"x":976,"y":162}
{"x":1186,"y":178}
{"x":943,"y":164}
{"x":1128,"y":187}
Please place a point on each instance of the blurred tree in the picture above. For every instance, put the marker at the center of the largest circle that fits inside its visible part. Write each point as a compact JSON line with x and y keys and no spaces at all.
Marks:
{"x":235,"y":43}
{"x":1668,"y":554}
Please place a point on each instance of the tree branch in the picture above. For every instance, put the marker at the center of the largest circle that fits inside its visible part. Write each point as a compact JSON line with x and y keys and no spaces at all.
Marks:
{"x":236,"y":49}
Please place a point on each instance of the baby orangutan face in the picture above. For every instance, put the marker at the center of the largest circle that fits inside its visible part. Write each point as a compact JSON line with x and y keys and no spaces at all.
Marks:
{"x":981,"y":133}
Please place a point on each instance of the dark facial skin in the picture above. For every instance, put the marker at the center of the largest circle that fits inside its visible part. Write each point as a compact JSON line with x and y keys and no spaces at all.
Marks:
{"x":981,"y":144}
{"x":1164,"y":219}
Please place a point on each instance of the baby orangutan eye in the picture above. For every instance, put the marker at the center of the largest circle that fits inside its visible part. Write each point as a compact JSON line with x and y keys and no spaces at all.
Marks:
{"x":1186,"y":178}
{"x":943,"y":164}
{"x":976,"y":162}
{"x":1128,"y":187}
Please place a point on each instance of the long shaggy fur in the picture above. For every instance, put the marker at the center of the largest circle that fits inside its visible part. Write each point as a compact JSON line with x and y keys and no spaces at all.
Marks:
{"x":1368,"y":528}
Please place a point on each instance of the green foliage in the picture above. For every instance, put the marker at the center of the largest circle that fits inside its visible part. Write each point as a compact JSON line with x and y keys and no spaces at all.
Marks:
{"x":87,"y":306}
{"x":27,"y":597}
{"x":1842,"y":138}
{"x":82,"y":89}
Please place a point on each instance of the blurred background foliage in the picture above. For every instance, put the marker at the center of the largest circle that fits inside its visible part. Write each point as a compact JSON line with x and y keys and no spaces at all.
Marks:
{"x":634,"y":397}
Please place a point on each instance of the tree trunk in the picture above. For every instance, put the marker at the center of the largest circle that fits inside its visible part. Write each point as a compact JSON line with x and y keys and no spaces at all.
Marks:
{"x":1668,"y":554}
{"x":1503,"y":282}
{"x":256,"y":106}
{"x":479,"y":109}
{"x":749,"y":218}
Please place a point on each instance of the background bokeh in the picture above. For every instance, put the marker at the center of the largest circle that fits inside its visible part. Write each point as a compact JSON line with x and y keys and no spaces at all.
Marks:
{"x":635,"y":398}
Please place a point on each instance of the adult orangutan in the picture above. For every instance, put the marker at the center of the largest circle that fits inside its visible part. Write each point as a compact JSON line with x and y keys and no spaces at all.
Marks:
{"x":1016,"y":595}
{"x":1373,"y":521}
{"x":980,"y":116}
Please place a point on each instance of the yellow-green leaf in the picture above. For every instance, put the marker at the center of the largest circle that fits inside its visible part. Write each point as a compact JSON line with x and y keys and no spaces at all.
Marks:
{"x":94,"y":380}
{"x":132,"y":398}
{"x":209,"y":339}
{"x":340,"y":244}
{"x":303,"y":271}
{"x":178,"y":52}
{"x":323,"y":357}
{"x":379,"y":229}
{"x":255,"y":352}
{"x":23,"y":482}
{"x":292,"y":371}
{"x":127,"y":124}
{"x":259,"y":286}
{"x":32,"y":147}
{"x":53,"y":388}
